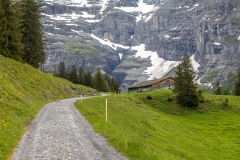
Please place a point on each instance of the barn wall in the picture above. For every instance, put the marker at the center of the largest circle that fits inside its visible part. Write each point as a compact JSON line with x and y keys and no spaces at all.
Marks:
{"x":163,"y":84}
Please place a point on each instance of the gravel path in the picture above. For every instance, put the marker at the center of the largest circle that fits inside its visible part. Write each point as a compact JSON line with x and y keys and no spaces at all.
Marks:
{"x":62,"y":133}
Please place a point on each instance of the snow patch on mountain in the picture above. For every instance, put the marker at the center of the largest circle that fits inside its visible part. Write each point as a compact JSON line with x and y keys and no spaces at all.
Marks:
{"x":104,"y":5}
{"x":148,"y":17}
{"x":70,"y":2}
{"x":65,"y":17}
{"x":86,"y":15}
{"x":217,"y":43}
{"x":120,"y":56}
{"x":109,"y":43}
{"x":81,"y":3}
{"x":159,"y":66}
{"x":195,"y":64}
{"x":142,"y":7}
{"x":78,"y":32}
{"x":145,"y":11}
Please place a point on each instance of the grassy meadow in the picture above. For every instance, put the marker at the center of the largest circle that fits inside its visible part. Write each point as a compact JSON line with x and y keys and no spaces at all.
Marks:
{"x":142,"y":128}
{"x":23,"y":92}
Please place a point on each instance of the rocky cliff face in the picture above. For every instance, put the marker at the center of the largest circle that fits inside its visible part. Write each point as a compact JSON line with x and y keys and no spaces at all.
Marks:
{"x":136,"y":40}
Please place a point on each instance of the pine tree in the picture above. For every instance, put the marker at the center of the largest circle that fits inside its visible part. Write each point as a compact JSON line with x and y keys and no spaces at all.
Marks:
{"x":184,"y":85}
{"x":107,"y":80}
{"x":15,"y":45}
{"x":4,"y":27}
{"x":73,"y":77}
{"x":100,"y":84}
{"x":10,"y":29}
{"x":106,"y":86}
{"x":114,"y":85}
{"x":81,"y":75}
{"x":237,"y":84}
{"x":62,"y":70}
{"x":218,"y":90}
{"x":32,"y":34}
{"x":88,"y":79}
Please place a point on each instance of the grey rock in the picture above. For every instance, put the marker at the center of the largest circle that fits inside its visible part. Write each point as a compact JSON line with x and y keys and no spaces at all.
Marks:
{"x":207,"y":29}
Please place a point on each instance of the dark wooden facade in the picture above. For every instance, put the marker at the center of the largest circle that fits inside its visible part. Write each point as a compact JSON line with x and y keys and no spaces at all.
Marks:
{"x":166,"y":82}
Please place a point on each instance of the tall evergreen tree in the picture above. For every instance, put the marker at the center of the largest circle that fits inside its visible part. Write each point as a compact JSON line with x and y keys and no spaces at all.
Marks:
{"x":73,"y":77}
{"x":81,"y":75}
{"x":88,"y":79}
{"x":184,"y":85}
{"x":32,"y":33}
{"x":62,"y":70}
{"x":4,"y":26}
{"x":15,"y":44}
{"x":114,"y":85}
{"x":100,"y":84}
{"x":218,"y":90}
{"x":10,"y":29}
{"x":237,"y":84}
{"x":106,"y":86}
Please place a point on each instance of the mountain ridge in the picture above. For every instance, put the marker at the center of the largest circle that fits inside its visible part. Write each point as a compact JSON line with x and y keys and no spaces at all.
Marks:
{"x":141,"y":39}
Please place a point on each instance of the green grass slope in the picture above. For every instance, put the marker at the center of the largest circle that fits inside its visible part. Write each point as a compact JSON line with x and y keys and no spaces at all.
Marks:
{"x":23,"y":92}
{"x":145,"y":129}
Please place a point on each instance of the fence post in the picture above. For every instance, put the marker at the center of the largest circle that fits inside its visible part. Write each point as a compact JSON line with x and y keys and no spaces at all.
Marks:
{"x":81,"y":98}
{"x":106,"y":110}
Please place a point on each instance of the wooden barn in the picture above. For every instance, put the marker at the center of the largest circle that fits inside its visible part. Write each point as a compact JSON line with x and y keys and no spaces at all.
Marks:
{"x":165,"y":82}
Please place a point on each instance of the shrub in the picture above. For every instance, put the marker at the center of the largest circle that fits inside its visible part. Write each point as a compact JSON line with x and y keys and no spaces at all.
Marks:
{"x":201,"y":98}
{"x":149,"y":97}
{"x":225,"y":103}
{"x":170,"y":99}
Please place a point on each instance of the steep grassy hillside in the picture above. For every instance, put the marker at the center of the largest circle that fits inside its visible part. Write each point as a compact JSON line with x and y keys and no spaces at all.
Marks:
{"x":158,"y":128}
{"x":23,"y":92}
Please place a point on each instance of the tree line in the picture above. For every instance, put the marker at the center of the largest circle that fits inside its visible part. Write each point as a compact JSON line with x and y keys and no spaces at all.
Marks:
{"x":21,"y":31}
{"x":187,"y":93}
{"x":100,"y":82}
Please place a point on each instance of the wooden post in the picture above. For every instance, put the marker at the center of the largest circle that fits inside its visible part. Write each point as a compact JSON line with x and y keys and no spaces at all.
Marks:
{"x":81,"y":98}
{"x":106,"y":109}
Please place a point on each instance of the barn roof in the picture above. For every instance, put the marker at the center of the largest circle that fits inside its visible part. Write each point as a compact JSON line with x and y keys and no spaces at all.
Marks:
{"x":149,"y":83}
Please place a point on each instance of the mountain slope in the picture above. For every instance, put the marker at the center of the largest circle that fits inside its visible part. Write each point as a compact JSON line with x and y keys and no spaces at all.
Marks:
{"x":137,"y":40}
{"x":23,"y":92}
{"x":159,"y":129}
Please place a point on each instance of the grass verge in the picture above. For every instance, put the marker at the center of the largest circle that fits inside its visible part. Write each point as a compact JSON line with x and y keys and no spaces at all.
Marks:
{"x":143,"y":128}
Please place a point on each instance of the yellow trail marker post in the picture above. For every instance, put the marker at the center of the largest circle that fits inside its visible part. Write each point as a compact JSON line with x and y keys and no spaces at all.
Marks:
{"x":81,"y":98}
{"x":106,"y":109}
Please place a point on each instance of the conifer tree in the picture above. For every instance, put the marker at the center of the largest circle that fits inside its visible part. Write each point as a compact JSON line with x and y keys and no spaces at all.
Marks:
{"x":100,"y":84}
{"x":81,"y":75}
{"x":88,"y":80}
{"x":10,"y":29}
{"x":218,"y":90}
{"x":114,"y":85}
{"x":62,"y":70}
{"x":237,"y":84}
{"x":4,"y":26}
{"x":32,"y":34}
{"x":15,"y":45}
{"x":73,"y":77}
{"x":106,"y":86}
{"x":184,"y":85}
